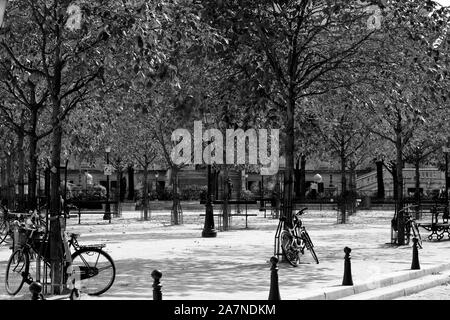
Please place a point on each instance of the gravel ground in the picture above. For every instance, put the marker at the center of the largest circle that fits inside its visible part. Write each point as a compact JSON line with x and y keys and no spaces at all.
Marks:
{"x":235,"y":264}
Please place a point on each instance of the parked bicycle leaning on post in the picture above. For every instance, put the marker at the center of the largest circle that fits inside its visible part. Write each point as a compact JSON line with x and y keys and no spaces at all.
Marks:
{"x":295,"y":239}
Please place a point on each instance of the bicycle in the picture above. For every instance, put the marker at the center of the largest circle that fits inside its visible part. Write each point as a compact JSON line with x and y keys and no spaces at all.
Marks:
{"x":411,"y":227}
{"x":5,"y":224}
{"x":7,"y":221}
{"x":90,"y":264}
{"x":295,"y":239}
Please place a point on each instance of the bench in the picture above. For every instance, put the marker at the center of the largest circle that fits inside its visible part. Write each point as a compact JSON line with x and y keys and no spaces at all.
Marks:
{"x":246,"y":215}
{"x":437,"y":229}
{"x":235,"y":202}
{"x":264,"y":206}
{"x":83,"y":207}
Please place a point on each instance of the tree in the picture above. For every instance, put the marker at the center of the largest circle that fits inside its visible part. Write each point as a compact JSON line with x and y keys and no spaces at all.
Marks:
{"x":57,"y":44}
{"x":296,"y":47}
{"x":423,"y":146}
{"x":343,"y":133}
{"x":400,"y":102}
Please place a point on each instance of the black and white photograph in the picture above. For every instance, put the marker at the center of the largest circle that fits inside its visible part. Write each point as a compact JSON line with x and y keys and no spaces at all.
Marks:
{"x":242,"y":153}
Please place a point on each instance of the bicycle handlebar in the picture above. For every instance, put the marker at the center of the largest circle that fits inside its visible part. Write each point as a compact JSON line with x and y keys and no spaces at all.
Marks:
{"x":302,"y":211}
{"x":409,"y":207}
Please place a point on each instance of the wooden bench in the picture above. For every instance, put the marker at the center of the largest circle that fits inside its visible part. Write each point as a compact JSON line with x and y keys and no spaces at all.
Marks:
{"x":246,"y":215}
{"x":267,"y":204}
{"x":80,"y":208}
{"x":437,"y":229}
{"x":235,"y":202}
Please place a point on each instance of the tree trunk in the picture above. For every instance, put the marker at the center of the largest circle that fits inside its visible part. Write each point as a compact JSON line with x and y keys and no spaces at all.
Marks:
{"x":225,"y":213}
{"x":10,"y":181}
{"x":394,"y":180}
{"x":297,"y":179}
{"x":289,"y":154}
{"x":399,"y":167}
{"x":343,"y":189}
{"x":118,"y":184}
{"x":130,"y":183}
{"x":118,"y":190}
{"x":302,"y":181}
{"x":175,"y":204}
{"x":239,"y":192}
{"x":216,"y":184}
{"x":32,"y":178}
{"x":21,"y":170}
{"x":2,"y":180}
{"x":380,"y":182}
{"x":277,"y":196}
{"x":145,"y":192}
{"x":417,"y":191}
{"x":33,"y":159}
{"x":352,"y":186}
{"x":56,"y":244}
{"x":4,"y":194}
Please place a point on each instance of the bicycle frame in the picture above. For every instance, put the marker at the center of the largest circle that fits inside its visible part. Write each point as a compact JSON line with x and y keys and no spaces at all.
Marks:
{"x":297,"y":232}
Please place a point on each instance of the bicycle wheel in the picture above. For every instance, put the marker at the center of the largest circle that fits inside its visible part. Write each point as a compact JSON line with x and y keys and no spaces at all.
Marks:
{"x":416,"y":234}
{"x":309,"y":245}
{"x":18,"y":266}
{"x":4,"y":230}
{"x":290,"y":253}
{"x":95,"y":269}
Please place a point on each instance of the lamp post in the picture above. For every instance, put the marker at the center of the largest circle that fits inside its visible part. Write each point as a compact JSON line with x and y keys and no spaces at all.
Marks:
{"x":107,"y":215}
{"x":209,"y":230}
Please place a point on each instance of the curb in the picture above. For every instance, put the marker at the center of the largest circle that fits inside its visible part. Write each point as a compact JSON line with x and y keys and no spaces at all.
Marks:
{"x":403,"y":289}
{"x":344,"y":291}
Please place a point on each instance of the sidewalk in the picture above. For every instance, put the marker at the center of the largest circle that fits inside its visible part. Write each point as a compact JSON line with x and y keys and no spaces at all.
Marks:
{"x":235,"y":264}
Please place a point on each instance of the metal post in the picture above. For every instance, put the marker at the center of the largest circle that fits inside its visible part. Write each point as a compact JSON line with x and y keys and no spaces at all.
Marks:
{"x":156,"y":275}
{"x":274,"y":293}
{"x":107,"y":215}
{"x":36,"y":289}
{"x":415,"y":260}
{"x":263,"y":203}
{"x":347,"y":281}
{"x":208,"y":229}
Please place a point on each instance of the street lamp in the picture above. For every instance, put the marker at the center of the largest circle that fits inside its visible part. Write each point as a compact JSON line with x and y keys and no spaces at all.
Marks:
{"x":107,"y":215}
{"x":209,"y":230}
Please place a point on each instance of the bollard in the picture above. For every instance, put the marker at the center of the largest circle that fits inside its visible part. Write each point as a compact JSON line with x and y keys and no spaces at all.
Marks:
{"x":274,"y":293}
{"x":75,"y":294}
{"x":415,"y":260}
{"x":35,"y":289}
{"x":156,"y":275}
{"x":347,"y":281}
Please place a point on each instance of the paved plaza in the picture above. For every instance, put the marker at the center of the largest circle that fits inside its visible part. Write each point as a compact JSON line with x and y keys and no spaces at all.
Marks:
{"x":235,"y":264}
